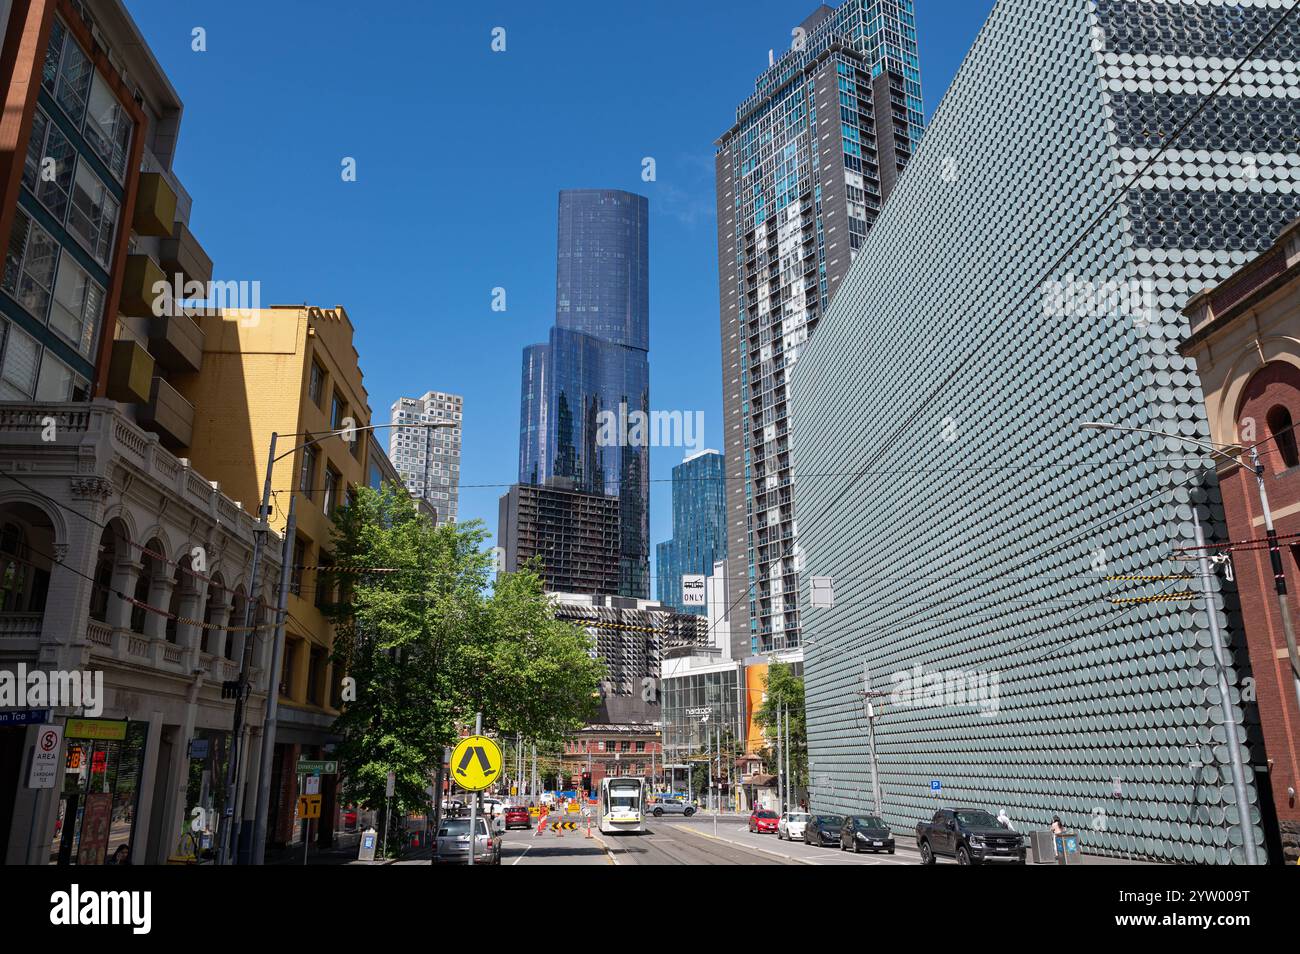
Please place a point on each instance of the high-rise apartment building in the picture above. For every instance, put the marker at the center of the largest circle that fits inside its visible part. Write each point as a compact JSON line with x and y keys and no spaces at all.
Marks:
{"x":575,"y":535}
{"x":801,"y":177}
{"x":595,"y":362}
{"x":428,"y":458}
{"x":699,"y":527}
{"x":1017,"y":584}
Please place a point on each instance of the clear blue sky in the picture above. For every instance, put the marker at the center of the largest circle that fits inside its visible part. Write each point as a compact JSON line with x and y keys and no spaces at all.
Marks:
{"x":460,"y":154}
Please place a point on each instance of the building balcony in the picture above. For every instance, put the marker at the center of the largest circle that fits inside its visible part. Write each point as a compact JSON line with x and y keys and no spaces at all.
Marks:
{"x":130,"y":372}
{"x":20,"y":626}
{"x":139,"y":279}
{"x":176,"y":342}
{"x":168,"y":415}
{"x":182,"y":253}
{"x":155,"y":206}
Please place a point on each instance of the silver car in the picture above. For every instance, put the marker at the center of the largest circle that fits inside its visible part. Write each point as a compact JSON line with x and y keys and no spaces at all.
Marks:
{"x":452,"y":846}
{"x":671,"y":806}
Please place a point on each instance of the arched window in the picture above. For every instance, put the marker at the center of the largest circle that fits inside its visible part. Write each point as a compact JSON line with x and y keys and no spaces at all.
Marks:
{"x":1282,"y":430}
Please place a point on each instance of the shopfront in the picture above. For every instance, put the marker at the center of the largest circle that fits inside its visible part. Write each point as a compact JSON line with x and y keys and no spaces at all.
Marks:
{"x":101,"y":790}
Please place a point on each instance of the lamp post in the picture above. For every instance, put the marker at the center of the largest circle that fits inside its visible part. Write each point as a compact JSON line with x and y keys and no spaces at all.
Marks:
{"x":1216,"y":641}
{"x":261,"y":532}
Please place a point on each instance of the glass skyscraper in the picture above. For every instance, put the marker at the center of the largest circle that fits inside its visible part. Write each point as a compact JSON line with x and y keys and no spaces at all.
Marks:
{"x":699,"y":527}
{"x":595,"y":360}
{"x":801,"y":177}
{"x":1018,"y":586}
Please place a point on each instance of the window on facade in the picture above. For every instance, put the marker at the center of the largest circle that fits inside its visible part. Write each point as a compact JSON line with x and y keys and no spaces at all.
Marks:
{"x":307,"y":475}
{"x":332,"y":481}
{"x":316,"y":383}
{"x":108,"y":127}
{"x":47,"y":172}
{"x":30,"y":260}
{"x":324,"y":582}
{"x":299,"y":560}
{"x":1282,"y":429}
{"x":93,"y":217}
{"x":315,"y":675}
{"x":286,"y":670}
{"x":78,"y":306}
{"x":21,"y":359}
{"x":56,"y":379}
{"x":67,"y":72}
{"x":338,"y":411}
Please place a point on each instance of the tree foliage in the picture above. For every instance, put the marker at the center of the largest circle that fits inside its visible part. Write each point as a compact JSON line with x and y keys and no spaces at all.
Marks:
{"x":431,"y":640}
{"x":783,"y":687}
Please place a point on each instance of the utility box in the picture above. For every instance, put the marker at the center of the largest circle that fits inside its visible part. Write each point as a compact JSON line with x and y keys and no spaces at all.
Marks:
{"x":366,"y":850}
{"x":1067,"y":849}
{"x":1043,"y":847}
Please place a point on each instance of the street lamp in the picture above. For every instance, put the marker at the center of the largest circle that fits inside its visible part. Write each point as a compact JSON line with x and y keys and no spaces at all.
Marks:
{"x":261,"y":532}
{"x":1234,"y":747}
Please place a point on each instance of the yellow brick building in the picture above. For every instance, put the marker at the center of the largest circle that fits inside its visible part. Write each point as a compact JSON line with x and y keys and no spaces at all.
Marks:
{"x":292,"y":370}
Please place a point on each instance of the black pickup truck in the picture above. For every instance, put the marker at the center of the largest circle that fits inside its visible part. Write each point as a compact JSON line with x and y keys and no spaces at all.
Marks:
{"x":971,"y":835}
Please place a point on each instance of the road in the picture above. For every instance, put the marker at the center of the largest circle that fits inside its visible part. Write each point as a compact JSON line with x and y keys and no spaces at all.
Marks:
{"x":683,"y":841}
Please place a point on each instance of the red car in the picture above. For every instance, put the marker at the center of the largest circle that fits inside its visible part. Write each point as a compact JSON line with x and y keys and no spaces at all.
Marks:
{"x":517,"y":817}
{"x":763,"y":821}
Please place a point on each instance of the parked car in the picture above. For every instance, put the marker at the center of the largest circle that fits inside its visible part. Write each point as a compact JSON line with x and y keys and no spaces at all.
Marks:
{"x":672,"y":806}
{"x":517,"y":817}
{"x":791,"y":825}
{"x":761,"y":820}
{"x":493,"y":807}
{"x":971,"y":835}
{"x":822,"y":830}
{"x":452,"y":846}
{"x":866,"y":833}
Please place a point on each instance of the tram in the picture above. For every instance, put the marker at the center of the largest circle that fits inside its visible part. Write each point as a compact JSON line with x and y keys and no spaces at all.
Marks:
{"x":622,"y":805}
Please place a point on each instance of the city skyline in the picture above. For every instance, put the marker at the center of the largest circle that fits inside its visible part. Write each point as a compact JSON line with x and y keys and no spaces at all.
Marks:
{"x":729,"y":50}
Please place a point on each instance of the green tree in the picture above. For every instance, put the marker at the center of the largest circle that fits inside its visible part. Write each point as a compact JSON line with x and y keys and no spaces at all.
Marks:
{"x":429,"y":641}
{"x":784,"y":688}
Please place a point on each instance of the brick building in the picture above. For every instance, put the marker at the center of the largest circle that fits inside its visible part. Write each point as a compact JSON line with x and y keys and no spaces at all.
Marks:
{"x":1245,"y":337}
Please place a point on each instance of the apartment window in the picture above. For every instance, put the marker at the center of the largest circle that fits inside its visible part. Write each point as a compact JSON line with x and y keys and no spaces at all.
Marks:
{"x":338,"y":411}
{"x":316,"y":384}
{"x":108,"y":127}
{"x":640,"y":746}
{"x":332,"y":482}
{"x":307,"y":476}
{"x":56,"y":380}
{"x":67,"y":72}
{"x":21,"y":359}
{"x":78,"y":304}
{"x":315,"y":675}
{"x":299,"y":561}
{"x":47,"y":171}
{"x":324,"y":582}
{"x":29,"y":265}
{"x":93,"y":218}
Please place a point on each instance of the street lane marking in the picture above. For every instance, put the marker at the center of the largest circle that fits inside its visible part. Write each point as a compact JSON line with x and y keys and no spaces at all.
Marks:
{"x":609,"y":852}
{"x":527,"y":848}
{"x":738,"y":844}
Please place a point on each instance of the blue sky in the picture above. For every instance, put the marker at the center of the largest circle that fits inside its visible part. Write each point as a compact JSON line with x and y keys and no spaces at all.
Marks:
{"x":460,"y":155}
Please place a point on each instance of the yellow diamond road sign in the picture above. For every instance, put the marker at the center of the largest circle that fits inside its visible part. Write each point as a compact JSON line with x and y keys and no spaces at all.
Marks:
{"x":475,"y":763}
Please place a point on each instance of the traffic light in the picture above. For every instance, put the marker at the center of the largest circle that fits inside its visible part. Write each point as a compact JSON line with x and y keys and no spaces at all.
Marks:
{"x":586,"y":781}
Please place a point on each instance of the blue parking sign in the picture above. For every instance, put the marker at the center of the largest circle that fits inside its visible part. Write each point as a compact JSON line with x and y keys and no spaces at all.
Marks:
{"x":936,"y":786}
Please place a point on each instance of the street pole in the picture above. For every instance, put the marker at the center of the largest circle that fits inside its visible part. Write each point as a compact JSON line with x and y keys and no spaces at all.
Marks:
{"x":871,"y":736}
{"x":1229,"y":723}
{"x":1279,"y":578}
{"x":260,"y":534}
{"x":270,"y":722}
{"x":780,"y":764}
{"x":473,"y":805}
{"x":789,"y":779}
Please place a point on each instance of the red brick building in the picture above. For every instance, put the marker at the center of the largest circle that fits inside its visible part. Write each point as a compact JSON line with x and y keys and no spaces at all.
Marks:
{"x":610,"y":750}
{"x":1245,"y":337}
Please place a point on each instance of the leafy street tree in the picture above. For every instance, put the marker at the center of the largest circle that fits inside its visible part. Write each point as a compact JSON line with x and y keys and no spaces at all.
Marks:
{"x":426,"y":640}
{"x":785,"y":688}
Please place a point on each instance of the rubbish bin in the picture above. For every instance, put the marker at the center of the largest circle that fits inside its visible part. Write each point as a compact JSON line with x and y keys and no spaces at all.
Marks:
{"x":1067,"y":849}
{"x":1043,"y":847}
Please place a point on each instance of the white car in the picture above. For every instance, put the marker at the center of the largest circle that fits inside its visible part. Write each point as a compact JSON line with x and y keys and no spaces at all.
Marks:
{"x":493,"y":807}
{"x":791,"y":825}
